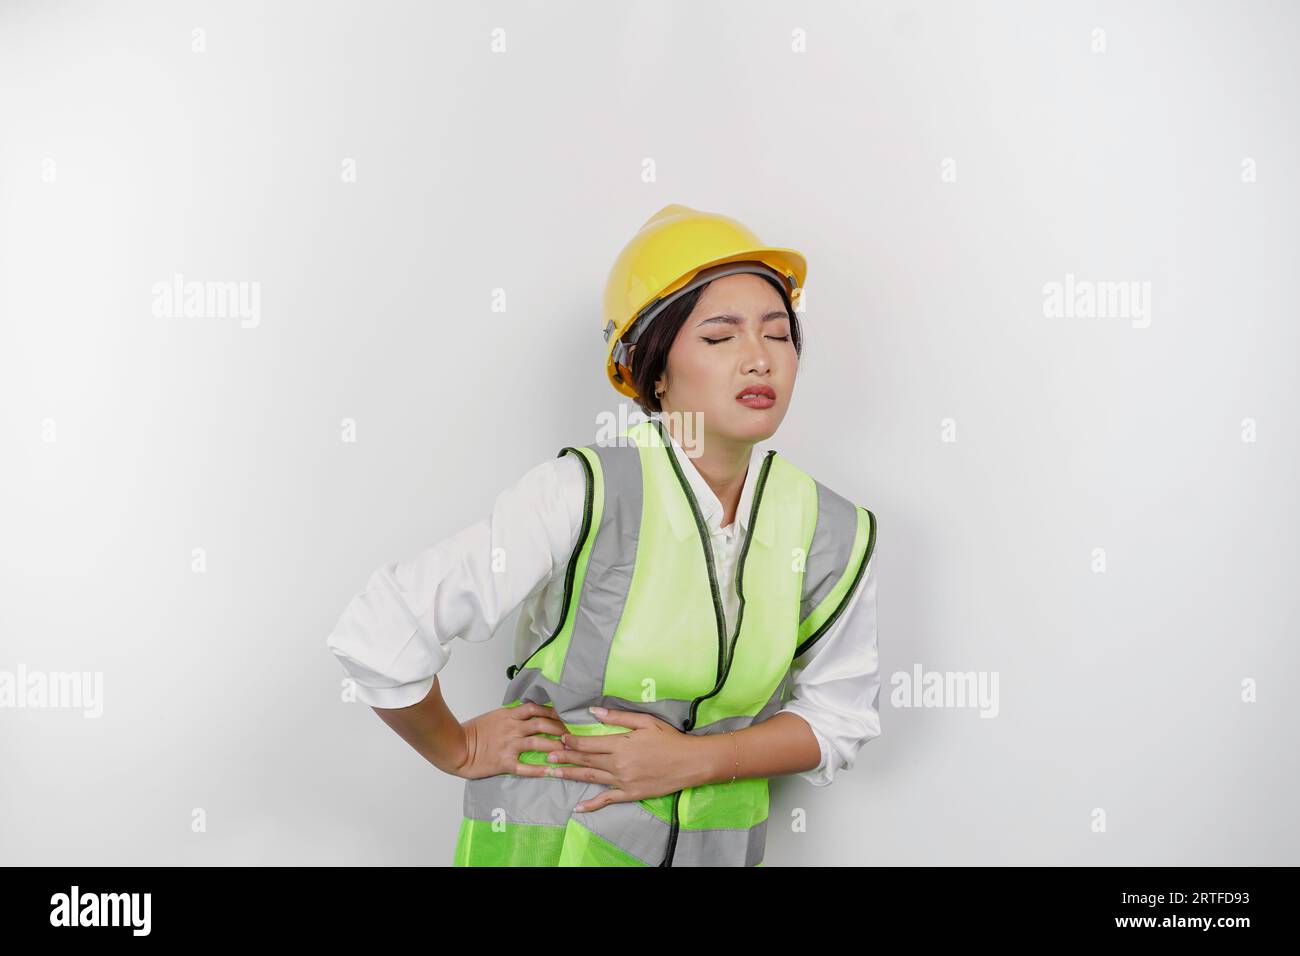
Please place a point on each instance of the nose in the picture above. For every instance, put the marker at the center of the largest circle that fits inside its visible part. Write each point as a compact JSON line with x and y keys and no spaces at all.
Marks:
{"x":757,"y":358}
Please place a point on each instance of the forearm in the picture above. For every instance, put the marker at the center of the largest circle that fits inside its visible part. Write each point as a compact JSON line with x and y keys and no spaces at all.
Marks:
{"x":431,"y":728}
{"x":782,"y":744}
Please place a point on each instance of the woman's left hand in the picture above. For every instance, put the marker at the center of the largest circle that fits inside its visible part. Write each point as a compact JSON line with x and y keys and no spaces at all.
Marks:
{"x":654,"y":758}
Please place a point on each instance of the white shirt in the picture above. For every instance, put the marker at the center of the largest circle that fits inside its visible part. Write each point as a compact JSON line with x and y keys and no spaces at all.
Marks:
{"x":394,"y":636}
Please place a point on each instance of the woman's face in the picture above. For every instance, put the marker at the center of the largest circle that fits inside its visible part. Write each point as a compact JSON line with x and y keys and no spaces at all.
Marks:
{"x":736,"y":337}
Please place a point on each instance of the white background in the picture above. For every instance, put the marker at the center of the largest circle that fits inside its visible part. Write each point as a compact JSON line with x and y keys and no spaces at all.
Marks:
{"x":523,"y":171}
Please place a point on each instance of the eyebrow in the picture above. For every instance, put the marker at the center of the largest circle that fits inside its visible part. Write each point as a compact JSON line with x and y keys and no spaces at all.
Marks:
{"x":737,"y":320}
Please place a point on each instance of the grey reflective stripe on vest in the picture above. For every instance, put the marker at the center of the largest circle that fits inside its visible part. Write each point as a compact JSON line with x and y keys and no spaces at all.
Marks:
{"x":549,"y":801}
{"x":599,"y":606}
{"x":831,"y":548}
{"x":679,"y":709}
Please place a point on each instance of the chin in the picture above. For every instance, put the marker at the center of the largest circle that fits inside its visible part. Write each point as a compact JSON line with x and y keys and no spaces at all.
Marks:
{"x":755,"y":426}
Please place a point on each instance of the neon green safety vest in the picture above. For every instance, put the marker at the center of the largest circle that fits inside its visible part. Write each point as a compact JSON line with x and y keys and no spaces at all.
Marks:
{"x":642,"y":629}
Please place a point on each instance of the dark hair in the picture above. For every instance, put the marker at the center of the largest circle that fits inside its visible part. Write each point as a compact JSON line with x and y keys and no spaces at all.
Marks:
{"x":651,"y":352}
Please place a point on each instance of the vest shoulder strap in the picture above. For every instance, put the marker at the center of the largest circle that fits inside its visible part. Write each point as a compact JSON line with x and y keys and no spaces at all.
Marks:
{"x":592,"y":506}
{"x":843,"y":541}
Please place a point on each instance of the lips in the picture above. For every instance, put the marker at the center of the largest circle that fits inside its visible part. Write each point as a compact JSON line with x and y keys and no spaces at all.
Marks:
{"x":756,"y":396}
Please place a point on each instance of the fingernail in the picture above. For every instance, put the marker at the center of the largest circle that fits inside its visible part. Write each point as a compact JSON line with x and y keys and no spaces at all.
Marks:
{"x":598,"y":711}
{"x":553,"y":758}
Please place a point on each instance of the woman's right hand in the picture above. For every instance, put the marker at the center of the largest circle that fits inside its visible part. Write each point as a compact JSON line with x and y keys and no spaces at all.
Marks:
{"x":493,"y":741}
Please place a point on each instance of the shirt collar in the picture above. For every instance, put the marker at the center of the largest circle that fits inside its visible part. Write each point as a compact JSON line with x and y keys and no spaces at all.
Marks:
{"x":710,"y":506}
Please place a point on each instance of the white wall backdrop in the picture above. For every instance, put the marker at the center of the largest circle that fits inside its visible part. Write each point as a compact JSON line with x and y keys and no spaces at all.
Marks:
{"x":1097,"y":509}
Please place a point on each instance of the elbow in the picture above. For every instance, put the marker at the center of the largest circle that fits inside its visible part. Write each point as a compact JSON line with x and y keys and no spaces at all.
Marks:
{"x":842,"y":753}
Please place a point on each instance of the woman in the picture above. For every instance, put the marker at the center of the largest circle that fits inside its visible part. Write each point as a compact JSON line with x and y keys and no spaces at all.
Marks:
{"x":669,"y":661}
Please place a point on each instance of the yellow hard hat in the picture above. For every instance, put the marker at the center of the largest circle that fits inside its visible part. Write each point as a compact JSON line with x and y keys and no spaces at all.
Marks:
{"x":678,"y":249}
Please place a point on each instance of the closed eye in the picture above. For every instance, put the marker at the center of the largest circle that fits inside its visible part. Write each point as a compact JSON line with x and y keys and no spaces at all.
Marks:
{"x":775,"y":338}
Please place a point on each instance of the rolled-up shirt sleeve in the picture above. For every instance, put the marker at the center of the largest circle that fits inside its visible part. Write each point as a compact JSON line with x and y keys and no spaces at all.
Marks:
{"x":393,"y":637}
{"x":835,"y":684}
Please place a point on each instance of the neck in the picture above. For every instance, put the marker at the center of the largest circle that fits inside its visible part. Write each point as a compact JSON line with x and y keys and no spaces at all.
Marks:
{"x":723,"y":464}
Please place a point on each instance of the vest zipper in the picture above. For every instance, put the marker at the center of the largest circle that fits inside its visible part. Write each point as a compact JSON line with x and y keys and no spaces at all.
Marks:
{"x":569,"y":573}
{"x":724,"y":659}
